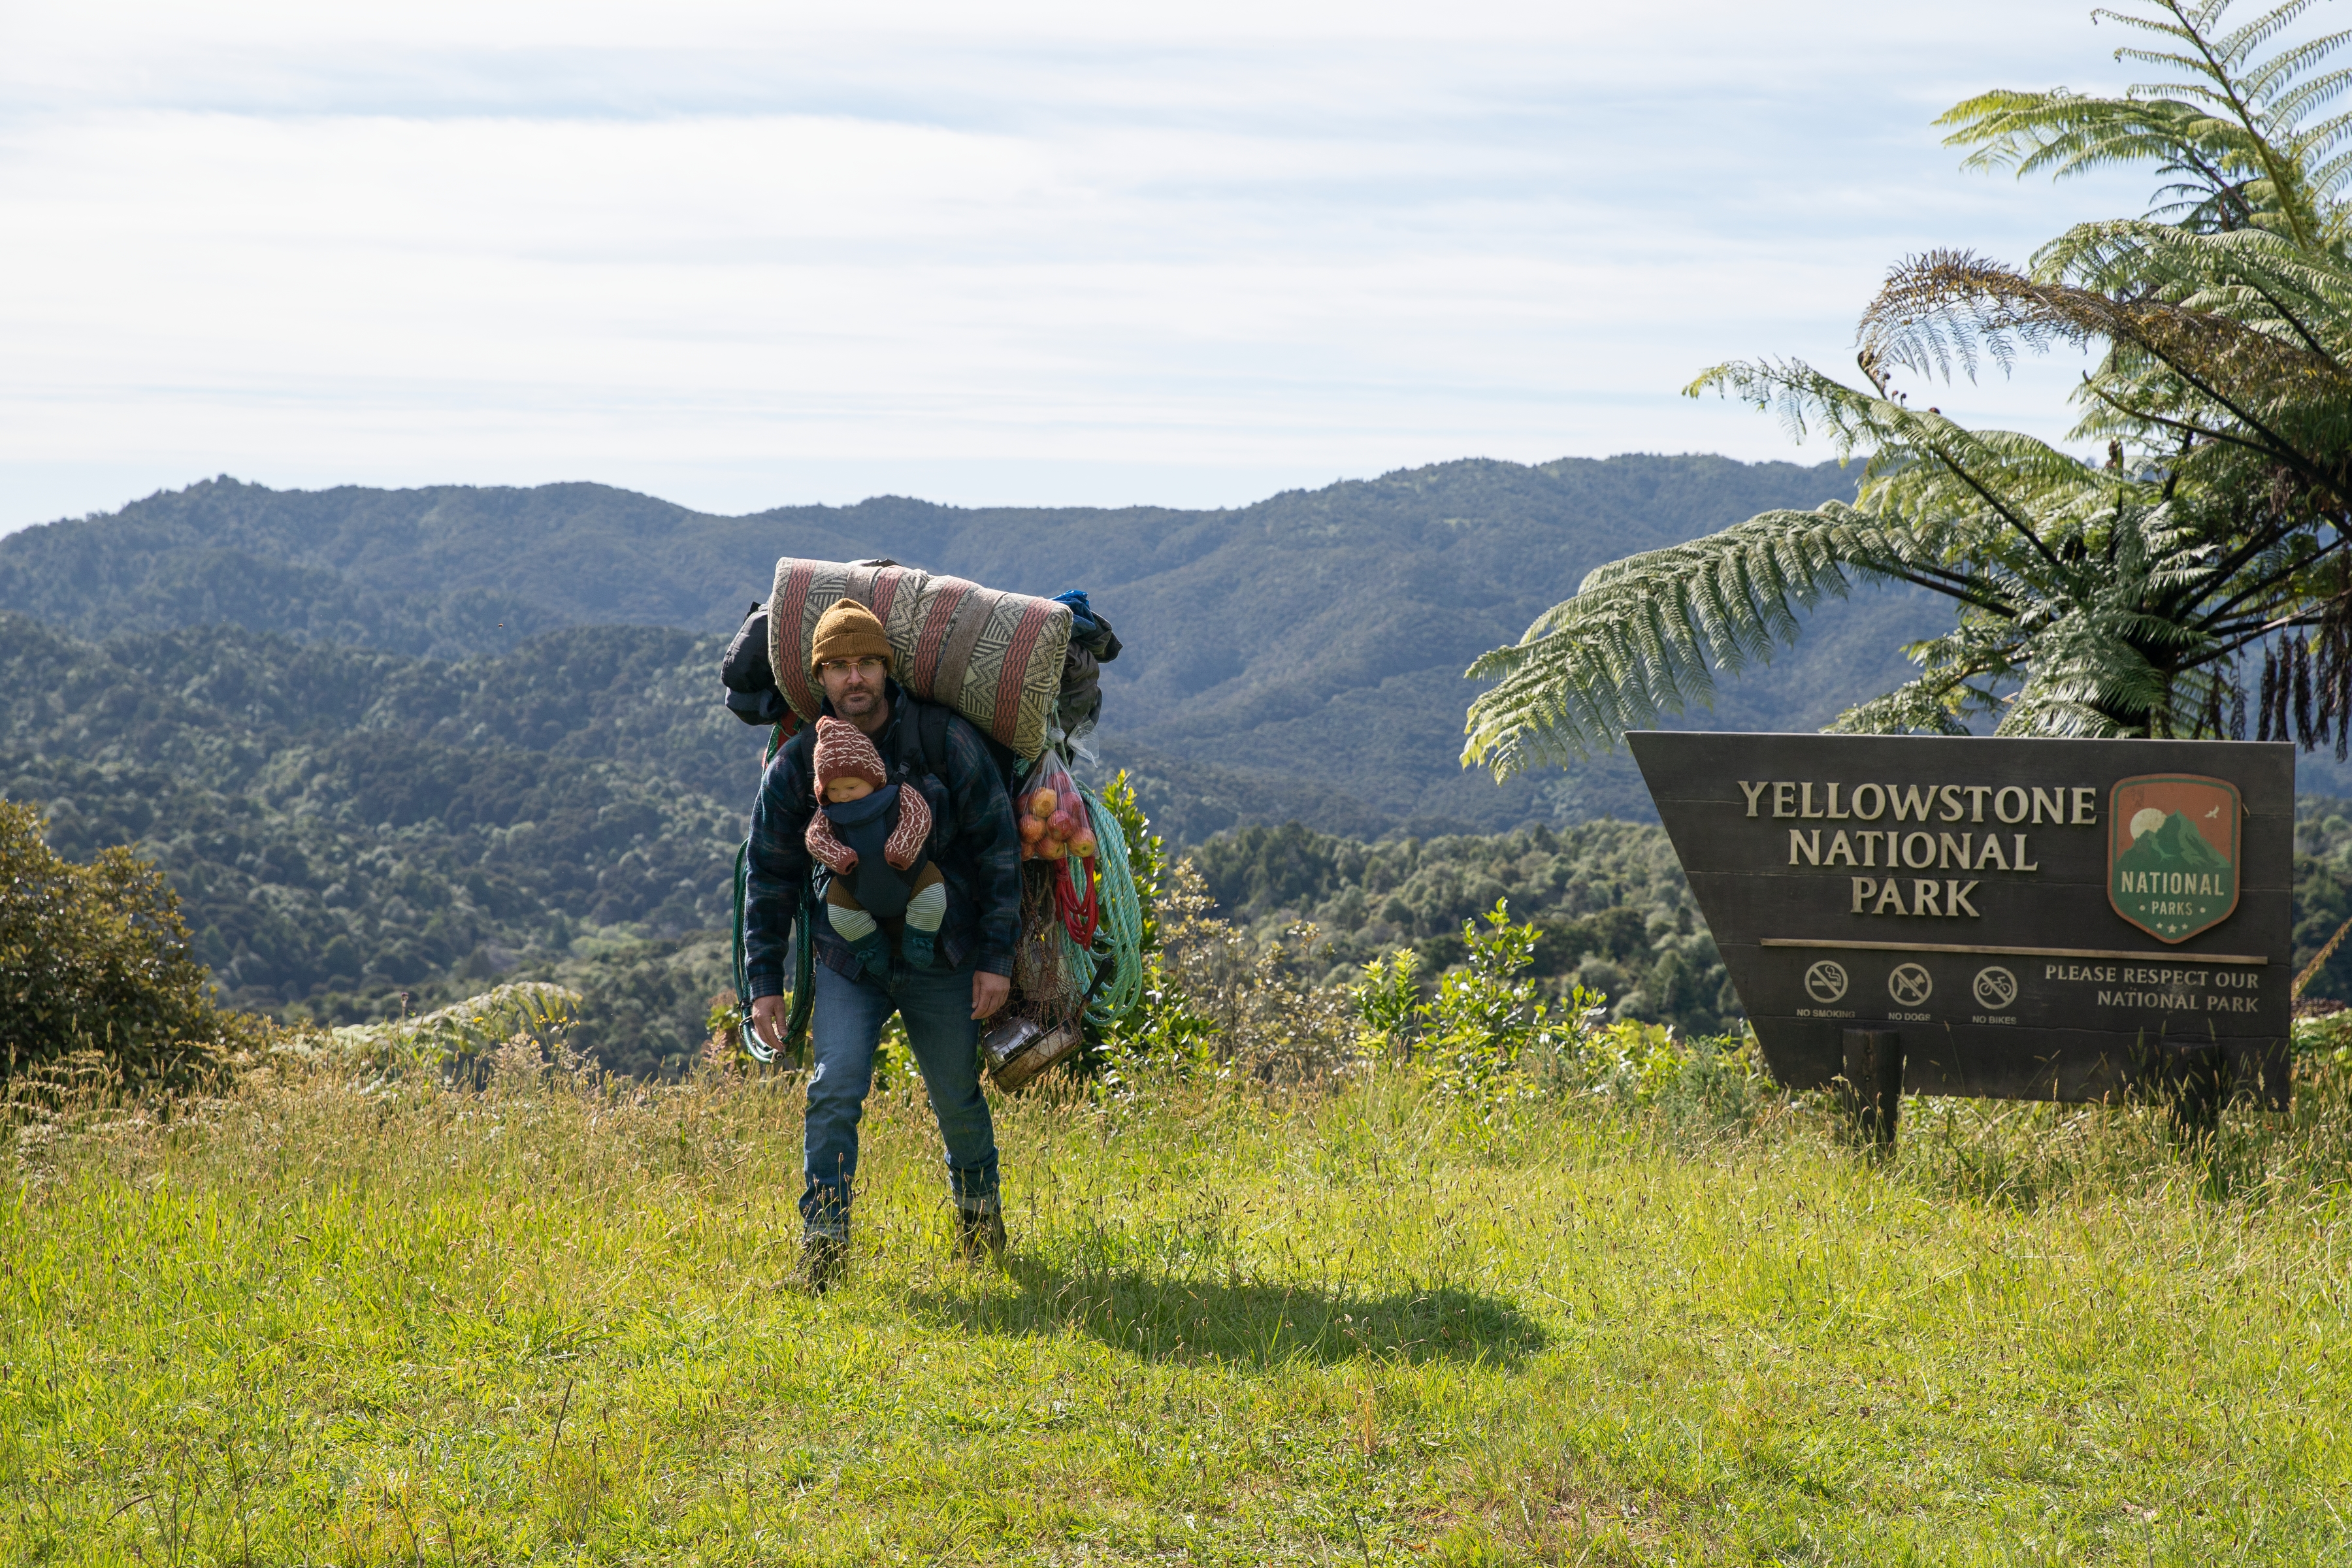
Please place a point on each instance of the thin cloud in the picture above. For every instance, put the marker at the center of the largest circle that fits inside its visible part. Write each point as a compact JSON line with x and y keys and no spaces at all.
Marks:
{"x":756,"y":253}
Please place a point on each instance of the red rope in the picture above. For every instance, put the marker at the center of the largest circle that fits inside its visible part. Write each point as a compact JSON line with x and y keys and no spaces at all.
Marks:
{"x":1081,"y":913}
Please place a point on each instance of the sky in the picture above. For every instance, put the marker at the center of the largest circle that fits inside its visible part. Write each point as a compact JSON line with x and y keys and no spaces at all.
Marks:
{"x":746,"y":254}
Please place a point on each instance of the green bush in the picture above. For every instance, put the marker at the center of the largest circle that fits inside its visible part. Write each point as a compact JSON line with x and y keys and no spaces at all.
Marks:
{"x":1213,"y":999}
{"x":95,"y":969}
{"x":1487,"y":1013}
{"x":458,"y":1043}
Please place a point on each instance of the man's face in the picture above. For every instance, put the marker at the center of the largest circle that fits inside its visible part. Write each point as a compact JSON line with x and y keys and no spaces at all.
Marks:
{"x":853,"y":686}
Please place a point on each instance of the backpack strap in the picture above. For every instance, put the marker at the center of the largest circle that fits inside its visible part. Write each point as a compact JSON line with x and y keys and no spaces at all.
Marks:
{"x":931,"y":731}
{"x":926,"y":751}
{"x":920,"y":745}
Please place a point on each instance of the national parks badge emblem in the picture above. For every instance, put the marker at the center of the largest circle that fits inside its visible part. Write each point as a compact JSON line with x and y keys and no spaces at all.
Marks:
{"x":2172,"y":853}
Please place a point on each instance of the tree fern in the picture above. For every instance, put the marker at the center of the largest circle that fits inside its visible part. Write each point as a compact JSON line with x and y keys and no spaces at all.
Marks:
{"x":2115,"y":599}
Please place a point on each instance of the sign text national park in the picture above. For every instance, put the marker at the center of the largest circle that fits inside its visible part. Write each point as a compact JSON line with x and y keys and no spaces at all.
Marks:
{"x":2031,"y":915}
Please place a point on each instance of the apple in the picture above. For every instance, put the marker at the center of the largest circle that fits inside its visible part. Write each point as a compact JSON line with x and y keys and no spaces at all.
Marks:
{"x":1062,"y":826}
{"x":1043,"y":803}
{"x":1031,"y":830}
{"x":1053,"y":850}
{"x":1083,"y":847}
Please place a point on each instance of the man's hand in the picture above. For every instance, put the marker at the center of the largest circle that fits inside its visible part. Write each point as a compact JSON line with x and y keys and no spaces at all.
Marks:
{"x":989,"y":992}
{"x":768,"y":1015}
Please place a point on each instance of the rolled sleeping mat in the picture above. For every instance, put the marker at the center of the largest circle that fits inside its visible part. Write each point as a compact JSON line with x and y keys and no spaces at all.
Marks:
{"x":995,"y":657}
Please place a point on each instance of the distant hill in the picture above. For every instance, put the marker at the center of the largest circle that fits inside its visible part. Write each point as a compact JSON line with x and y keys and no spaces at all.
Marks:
{"x":1297,"y":659}
{"x":348,"y":827}
{"x":345,"y":824}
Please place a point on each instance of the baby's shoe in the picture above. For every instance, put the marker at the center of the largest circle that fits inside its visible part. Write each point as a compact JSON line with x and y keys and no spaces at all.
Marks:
{"x":917,"y":946}
{"x":872,"y":951}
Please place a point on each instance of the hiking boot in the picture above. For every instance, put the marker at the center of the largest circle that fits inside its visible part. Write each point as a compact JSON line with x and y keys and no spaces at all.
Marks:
{"x":824,"y":1260}
{"x":980,"y":1233}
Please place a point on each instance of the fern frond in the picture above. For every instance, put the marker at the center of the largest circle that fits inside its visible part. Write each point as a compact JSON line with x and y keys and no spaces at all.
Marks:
{"x":1923,"y":707}
{"x":1643,"y":637}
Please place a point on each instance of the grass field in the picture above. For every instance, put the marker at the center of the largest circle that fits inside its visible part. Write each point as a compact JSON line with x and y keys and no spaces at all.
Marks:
{"x":317,"y":1322}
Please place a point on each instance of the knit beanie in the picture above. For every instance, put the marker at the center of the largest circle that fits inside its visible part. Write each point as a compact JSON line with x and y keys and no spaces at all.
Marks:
{"x":848,"y":630}
{"x":843,"y":751}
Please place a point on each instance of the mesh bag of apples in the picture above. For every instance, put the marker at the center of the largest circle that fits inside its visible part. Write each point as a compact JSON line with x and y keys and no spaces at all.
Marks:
{"x":1053,"y":821}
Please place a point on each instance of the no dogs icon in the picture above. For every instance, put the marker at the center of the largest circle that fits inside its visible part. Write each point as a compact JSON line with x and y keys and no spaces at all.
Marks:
{"x":1909,"y":984}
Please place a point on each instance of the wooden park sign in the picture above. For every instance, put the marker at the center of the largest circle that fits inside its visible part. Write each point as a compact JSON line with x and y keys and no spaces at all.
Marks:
{"x":2025,"y":919}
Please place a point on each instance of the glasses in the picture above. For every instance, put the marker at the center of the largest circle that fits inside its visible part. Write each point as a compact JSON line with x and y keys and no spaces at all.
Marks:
{"x":869,"y":667}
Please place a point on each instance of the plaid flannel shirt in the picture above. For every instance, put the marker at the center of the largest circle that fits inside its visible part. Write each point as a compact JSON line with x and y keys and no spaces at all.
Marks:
{"x":973,"y":842}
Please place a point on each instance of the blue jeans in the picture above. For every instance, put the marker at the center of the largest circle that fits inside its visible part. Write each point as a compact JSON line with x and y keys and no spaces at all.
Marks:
{"x":937,"y":1006}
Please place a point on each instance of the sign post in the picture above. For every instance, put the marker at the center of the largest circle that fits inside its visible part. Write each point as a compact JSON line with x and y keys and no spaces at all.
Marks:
{"x":2008,"y":918}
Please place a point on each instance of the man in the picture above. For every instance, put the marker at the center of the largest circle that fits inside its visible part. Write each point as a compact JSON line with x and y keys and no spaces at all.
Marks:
{"x":977,"y":847}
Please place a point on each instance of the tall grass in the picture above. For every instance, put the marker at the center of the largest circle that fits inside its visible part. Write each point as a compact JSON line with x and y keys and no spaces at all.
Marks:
{"x":346,"y":1318}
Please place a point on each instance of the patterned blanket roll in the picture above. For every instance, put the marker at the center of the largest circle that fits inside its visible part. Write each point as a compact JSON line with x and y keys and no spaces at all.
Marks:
{"x":995,"y":657}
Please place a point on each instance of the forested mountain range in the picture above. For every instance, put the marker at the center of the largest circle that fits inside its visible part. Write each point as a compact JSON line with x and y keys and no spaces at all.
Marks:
{"x":393,"y":744}
{"x":344,"y":825}
{"x":353,"y":831}
{"x":1301,"y":658}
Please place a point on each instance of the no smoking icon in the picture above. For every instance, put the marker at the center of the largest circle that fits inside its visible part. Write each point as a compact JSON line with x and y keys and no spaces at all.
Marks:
{"x":1825,"y":981}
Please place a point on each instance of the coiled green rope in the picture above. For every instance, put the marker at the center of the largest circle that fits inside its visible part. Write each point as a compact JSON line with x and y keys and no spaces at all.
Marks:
{"x":803,"y":991}
{"x":1118,"y":932}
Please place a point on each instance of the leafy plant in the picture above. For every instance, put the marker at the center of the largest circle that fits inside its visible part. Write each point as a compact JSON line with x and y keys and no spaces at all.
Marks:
{"x":1389,"y":1002}
{"x":455,"y":1041}
{"x":2324,"y":1038}
{"x":1607,"y":899}
{"x":1487,"y":1015}
{"x":1146,"y":854}
{"x":1214,"y":998}
{"x":2230,"y":131}
{"x":1486,"y":1012}
{"x":95,"y":970}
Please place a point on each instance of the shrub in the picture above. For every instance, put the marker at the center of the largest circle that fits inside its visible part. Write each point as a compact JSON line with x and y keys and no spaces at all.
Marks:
{"x":458,"y":1042}
{"x":2323,"y":1036}
{"x":95,"y":970}
{"x":1487,"y":1013}
{"x":1213,"y":997}
{"x":1388,"y":1002}
{"x":1146,"y":854}
{"x":1489,"y":1016}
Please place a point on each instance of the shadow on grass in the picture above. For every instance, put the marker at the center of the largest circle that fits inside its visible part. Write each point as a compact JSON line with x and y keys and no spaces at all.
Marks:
{"x":1165,"y":1317}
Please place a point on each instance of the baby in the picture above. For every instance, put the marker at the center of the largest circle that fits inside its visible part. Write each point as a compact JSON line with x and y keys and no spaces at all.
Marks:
{"x":871,"y":832}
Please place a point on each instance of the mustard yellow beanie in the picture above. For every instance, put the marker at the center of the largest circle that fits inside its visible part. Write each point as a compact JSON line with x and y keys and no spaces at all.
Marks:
{"x":848,"y":630}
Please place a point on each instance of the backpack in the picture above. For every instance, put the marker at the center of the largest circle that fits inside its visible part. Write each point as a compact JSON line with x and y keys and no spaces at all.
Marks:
{"x":751,"y":682}
{"x":921,"y":750}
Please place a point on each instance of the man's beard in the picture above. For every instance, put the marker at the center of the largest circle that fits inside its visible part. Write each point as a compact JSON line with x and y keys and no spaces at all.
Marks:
{"x":857,"y":704}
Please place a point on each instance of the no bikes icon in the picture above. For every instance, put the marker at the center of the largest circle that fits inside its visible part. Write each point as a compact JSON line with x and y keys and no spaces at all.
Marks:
{"x":1995,"y":988}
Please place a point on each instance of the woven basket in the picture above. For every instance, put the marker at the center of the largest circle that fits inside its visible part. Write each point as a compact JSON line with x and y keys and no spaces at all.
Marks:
{"x":995,"y":657}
